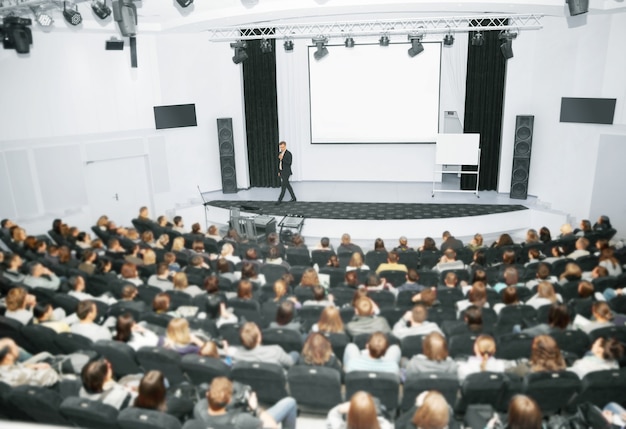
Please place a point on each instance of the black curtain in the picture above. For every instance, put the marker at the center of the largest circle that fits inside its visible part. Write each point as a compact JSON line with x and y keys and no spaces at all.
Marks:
{"x":261,"y":111}
{"x":484,"y":99}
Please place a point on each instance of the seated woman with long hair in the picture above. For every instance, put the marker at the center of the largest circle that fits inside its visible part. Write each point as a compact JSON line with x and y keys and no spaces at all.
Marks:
{"x":604,"y":354}
{"x":483,"y":360}
{"x":433,"y":412}
{"x":360,"y":413}
{"x":545,"y":355}
{"x":285,"y":317}
{"x":545,"y":296}
{"x":152,"y":395}
{"x":179,"y":338}
{"x":330,"y":322}
{"x":317,"y":351}
{"x":133,"y":334}
{"x":434,"y":357}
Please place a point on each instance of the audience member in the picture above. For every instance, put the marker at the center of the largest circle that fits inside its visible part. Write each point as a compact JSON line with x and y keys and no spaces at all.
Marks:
{"x":29,"y":372}
{"x":483,"y":359}
{"x":42,"y":278}
{"x":19,"y":305}
{"x":604,"y":354}
{"x":450,"y":242}
{"x":392,"y":264}
{"x":179,"y":338}
{"x":252,"y":350}
{"x":359,"y":413}
{"x":87,"y":313}
{"x":318,"y":351}
{"x":365,"y":321}
{"x":99,"y":385}
{"x":434,"y":357}
{"x":545,"y":355}
{"x":378,"y":356}
{"x":414,"y":322}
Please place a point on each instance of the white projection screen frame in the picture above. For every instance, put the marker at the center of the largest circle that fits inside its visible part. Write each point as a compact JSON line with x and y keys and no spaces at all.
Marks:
{"x":375,"y":94}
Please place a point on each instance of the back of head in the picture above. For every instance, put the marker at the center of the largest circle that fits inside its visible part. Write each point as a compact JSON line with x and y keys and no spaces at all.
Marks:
{"x":433,"y":412}
{"x":511,"y":276}
{"x":473,"y":316}
{"x":178,"y":331}
{"x":435,"y":347}
{"x":558,"y":316}
{"x":602,"y":311}
{"x":319,"y":293}
{"x":612,"y":349}
{"x":362,"y":412}
{"x":543,"y":271}
{"x":151,"y":391}
{"x":123,"y":329}
{"x":129,"y":291}
{"x":509,"y":295}
{"x":377,"y":345}
{"x":219,"y":393}
{"x":585,"y":289}
{"x":545,"y":355}
{"x":84,"y":308}
{"x":93,"y":375}
{"x":524,"y":413}
{"x":285,"y":312}
{"x":16,"y":298}
{"x":244,"y":289}
{"x":317,"y":350}
{"x":364,"y":307}
{"x":478,"y":294}
{"x":330,"y":320}
{"x":249,"y":335}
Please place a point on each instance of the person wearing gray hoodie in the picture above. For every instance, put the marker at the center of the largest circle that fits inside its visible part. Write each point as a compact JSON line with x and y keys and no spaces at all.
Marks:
{"x":434,"y":357}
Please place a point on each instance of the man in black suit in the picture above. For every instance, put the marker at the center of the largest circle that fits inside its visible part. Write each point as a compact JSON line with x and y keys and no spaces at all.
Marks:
{"x":284,"y":171}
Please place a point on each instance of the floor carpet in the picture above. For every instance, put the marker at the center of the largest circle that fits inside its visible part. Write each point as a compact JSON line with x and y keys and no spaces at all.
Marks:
{"x":340,"y":210}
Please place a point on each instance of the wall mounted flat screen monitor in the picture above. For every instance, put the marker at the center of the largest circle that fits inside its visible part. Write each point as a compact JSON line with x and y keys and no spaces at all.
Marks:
{"x":588,"y":110}
{"x":176,"y":116}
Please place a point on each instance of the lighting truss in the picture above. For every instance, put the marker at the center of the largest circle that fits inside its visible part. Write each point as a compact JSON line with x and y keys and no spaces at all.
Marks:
{"x":430,"y":25}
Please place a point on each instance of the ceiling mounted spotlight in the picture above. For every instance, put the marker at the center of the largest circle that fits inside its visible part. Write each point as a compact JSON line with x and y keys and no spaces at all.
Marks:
{"x":416,"y":45}
{"x":577,"y":7}
{"x":478,"y":39}
{"x":288,"y":45}
{"x":321,"y":51}
{"x":16,"y":34}
{"x":384,"y":40}
{"x":448,"y":39}
{"x":101,"y":9}
{"x":266,"y":46}
{"x":72,"y":16}
{"x":184,"y":3}
{"x":42,"y":18}
{"x":349,"y":42}
{"x":507,"y":44}
{"x":240,"y":51}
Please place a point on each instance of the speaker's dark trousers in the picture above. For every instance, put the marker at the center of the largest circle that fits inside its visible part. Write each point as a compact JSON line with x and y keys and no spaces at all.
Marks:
{"x":285,"y":186}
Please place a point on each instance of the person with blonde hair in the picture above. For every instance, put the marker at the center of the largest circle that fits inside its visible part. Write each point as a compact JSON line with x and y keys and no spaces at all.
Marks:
{"x":366,"y":321}
{"x":360,"y":413}
{"x":317,"y":351}
{"x":181,"y":283}
{"x":433,"y":412}
{"x":356,"y":263}
{"x":483,"y":359}
{"x":330,"y":322}
{"x":545,"y":296}
{"x":179,"y":338}
{"x":434,"y":357}
{"x":19,"y":304}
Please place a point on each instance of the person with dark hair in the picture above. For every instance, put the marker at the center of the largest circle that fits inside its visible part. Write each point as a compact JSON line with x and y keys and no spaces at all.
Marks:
{"x":318,"y":351}
{"x":214,"y":411}
{"x":378,"y":356}
{"x":558,"y":320}
{"x":320,"y":298}
{"x":152,"y":395}
{"x":605,"y":354}
{"x":448,"y":261}
{"x":99,"y":385}
{"x":87,"y":313}
{"x":603,"y":224}
{"x":412,"y":282}
{"x":284,"y":172}
{"x":162,"y":277}
{"x":477,"y":296}
{"x":428,"y":245}
{"x":135,"y":335}
{"x":544,"y":235}
{"x":77,"y":285}
{"x":51,"y":318}
{"x":252,"y":350}
{"x":434,"y":357}
{"x":602,"y":317}
{"x":285,"y":317}
{"x":359,"y":413}
{"x":450,"y":242}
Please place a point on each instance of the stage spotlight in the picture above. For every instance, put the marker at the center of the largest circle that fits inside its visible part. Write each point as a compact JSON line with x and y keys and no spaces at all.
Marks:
{"x":72,"y":16}
{"x":321,"y":51}
{"x":240,"y":51}
{"x":288,"y":45}
{"x":266,"y":46}
{"x":448,"y":40}
{"x":125,"y":14}
{"x":478,"y":39}
{"x":101,"y":9}
{"x":507,"y":44}
{"x":184,"y":3}
{"x":577,"y":7}
{"x":16,"y":34}
{"x":384,"y":40}
{"x":349,"y":42}
{"x":42,"y":18}
{"x":416,"y":45}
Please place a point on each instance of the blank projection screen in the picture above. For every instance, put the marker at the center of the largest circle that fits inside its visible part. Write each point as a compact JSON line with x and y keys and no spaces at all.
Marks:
{"x":375,"y":94}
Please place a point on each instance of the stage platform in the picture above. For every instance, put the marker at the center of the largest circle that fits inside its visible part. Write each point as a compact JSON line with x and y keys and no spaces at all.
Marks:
{"x":370,"y":210}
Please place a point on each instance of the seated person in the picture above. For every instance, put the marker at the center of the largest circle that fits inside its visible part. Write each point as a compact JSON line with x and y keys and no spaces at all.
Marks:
{"x":414,"y":322}
{"x":152,"y":395}
{"x":558,"y":320}
{"x":99,"y":385}
{"x":29,"y":372}
{"x":77,"y":286}
{"x":215,"y":411}
{"x":392,"y":264}
{"x":434,"y":357}
{"x":52,"y":318}
{"x":318,"y":351}
{"x":128,"y":299}
{"x":431,"y":411}
{"x":20,"y":305}
{"x":511,"y":278}
{"x":483,"y":359}
{"x":285,"y":317}
{"x":604,"y":354}
{"x":602,"y":318}
{"x":365,"y":321}
{"x":378,"y":356}
{"x":543,"y":274}
{"x":13,"y":272}
{"x":179,"y":338}
{"x":545,"y":296}
{"x":87,"y":313}
{"x":251,"y":349}
{"x":42,"y":277}
{"x":477,"y":296}
{"x":320,"y":299}
{"x":136,"y":336}
{"x":545,"y":355}
{"x":412,"y":282}
{"x":162,"y":278}
{"x":359,"y":413}
{"x":448,"y":261}
{"x":329,"y":322}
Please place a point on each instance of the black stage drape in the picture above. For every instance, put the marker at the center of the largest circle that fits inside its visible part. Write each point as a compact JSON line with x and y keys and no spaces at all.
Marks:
{"x":484,"y":99}
{"x":261,"y":110}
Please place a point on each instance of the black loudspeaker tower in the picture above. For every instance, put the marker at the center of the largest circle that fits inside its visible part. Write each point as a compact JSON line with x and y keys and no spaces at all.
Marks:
{"x":227,"y":155}
{"x":521,"y":156}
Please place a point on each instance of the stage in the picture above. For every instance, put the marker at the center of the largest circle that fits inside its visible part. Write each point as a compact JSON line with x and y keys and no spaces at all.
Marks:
{"x":369,"y":210}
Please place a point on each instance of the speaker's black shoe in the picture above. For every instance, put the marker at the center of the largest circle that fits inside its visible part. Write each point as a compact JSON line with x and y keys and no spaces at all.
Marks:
{"x":293,"y":200}
{"x":277,"y":203}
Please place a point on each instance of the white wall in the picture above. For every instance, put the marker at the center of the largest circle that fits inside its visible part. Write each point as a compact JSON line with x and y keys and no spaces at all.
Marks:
{"x":70,"y":102}
{"x":569,"y":57}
